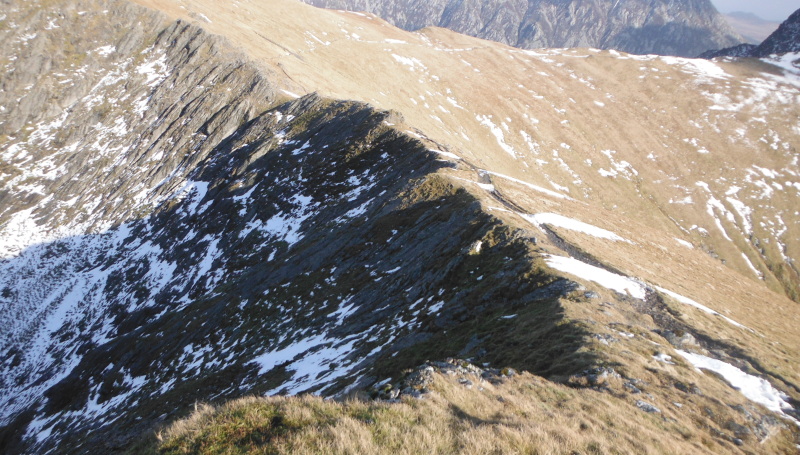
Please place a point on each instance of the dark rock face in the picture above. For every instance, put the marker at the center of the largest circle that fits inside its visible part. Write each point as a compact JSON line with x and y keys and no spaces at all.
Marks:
{"x":742,"y":50}
{"x":207,"y":237}
{"x":683,"y":28}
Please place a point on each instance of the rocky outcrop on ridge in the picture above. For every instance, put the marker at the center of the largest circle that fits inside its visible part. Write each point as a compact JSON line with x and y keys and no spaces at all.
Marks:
{"x":741,"y":50}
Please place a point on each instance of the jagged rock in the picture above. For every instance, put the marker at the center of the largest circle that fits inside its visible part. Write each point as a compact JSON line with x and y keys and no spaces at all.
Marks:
{"x":647,"y":407}
{"x":740,"y":50}
{"x":604,"y":338}
{"x":688,"y":388}
{"x":740,"y":431}
{"x":681,"y":340}
{"x":784,"y":40}
{"x":595,"y":377}
{"x":415,"y":384}
{"x":508,"y":372}
{"x":631,"y":387}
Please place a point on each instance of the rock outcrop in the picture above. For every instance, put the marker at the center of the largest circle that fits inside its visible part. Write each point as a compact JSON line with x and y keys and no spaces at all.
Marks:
{"x":740,"y":50}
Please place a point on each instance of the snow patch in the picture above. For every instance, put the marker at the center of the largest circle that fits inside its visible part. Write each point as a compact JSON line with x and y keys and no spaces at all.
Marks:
{"x":412,"y":63}
{"x":571,"y":224}
{"x":497,"y":132}
{"x":690,"y":302}
{"x":530,"y":185}
{"x":752,"y":387}
{"x":618,"y":283}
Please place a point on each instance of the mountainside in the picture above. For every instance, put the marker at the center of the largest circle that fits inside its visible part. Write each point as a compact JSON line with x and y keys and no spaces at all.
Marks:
{"x":750,"y":26}
{"x":683,"y":28}
{"x":784,"y":40}
{"x":191,"y":211}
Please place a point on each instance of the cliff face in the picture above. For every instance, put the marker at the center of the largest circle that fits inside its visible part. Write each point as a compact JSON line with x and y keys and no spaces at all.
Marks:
{"x":183,"y":219}
{"x":683,"y":28}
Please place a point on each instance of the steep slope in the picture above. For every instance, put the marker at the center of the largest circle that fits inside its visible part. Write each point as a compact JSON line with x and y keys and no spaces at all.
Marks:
{"x":683,"y":28}
{"x":181,"y":221}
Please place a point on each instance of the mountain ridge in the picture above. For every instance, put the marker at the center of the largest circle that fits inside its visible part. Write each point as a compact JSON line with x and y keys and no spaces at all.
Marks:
{"x":685,"y":28}
{"x":218,"y":285}
{"x":783,"y":40}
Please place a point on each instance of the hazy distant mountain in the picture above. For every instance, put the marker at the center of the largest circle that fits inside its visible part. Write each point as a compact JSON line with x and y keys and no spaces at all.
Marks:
{"x":675,"y":27}
{"x":753,"y":28}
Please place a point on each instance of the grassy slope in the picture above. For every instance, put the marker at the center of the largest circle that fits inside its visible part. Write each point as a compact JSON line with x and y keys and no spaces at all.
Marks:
{"x":524,"y":414}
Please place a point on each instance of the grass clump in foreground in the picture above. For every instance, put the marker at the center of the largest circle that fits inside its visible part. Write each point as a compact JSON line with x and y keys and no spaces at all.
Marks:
{"x":524,"y":414}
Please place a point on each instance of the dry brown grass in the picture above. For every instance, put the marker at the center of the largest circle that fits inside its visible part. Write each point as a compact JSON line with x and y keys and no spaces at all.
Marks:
{"x":524,"y":415}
